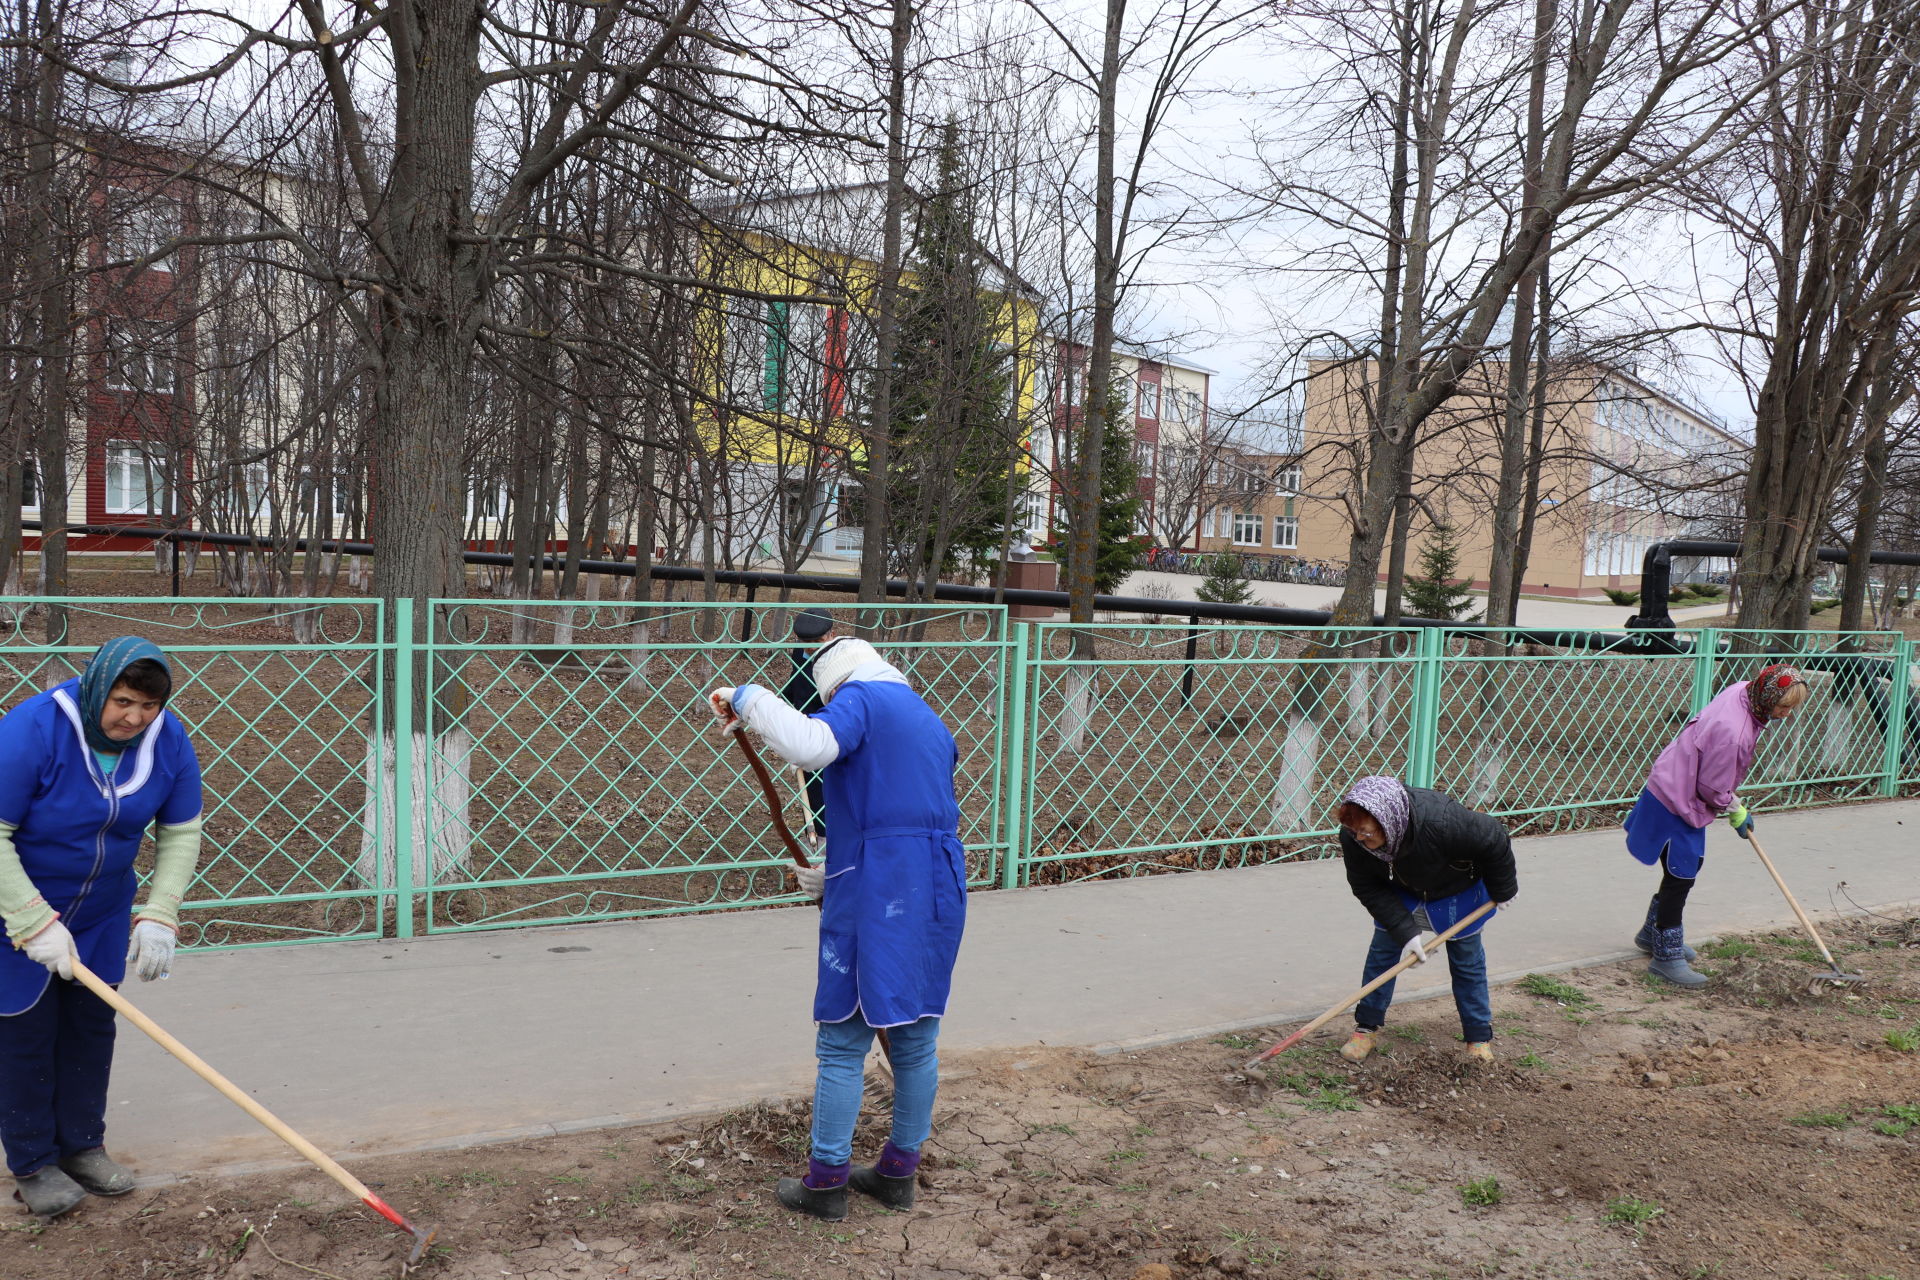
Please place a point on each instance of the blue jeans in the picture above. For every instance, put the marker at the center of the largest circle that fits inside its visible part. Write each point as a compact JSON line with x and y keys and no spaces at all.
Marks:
{"x":54,"y":1061}
{"x":842,"y":1050}
{"x":1466,"y":959}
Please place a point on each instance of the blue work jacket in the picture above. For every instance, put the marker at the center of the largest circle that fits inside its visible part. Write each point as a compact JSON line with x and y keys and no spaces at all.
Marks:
{"x":78,"y":830}
{"x":896,"y":885}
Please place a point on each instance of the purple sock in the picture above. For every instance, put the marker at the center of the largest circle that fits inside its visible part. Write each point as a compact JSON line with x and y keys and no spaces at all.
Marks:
{"x":824,"y":1177}
{"x":895,"y":1163}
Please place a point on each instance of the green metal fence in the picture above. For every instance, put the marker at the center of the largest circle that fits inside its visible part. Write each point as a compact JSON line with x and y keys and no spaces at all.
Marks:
{"x":559,"y":764}
{"x":288,"y":734}
{"x":574,"y":774}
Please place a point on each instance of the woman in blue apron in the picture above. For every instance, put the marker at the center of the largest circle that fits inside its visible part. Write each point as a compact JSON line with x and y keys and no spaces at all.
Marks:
{"x":1419,"y":861}
{"x":85,"y":769}
{"x":893,"y":893}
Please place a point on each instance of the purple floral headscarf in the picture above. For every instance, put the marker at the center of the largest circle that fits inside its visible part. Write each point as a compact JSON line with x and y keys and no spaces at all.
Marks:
{"x":1387,"y":800}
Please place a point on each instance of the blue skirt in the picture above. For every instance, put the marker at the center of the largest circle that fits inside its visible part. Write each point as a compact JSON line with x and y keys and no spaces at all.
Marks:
{"x":1653,"y":829}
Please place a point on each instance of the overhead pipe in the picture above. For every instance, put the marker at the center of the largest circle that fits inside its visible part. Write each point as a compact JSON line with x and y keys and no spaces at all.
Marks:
{"x":1192,"y":610}
{"x":1656,"y":573}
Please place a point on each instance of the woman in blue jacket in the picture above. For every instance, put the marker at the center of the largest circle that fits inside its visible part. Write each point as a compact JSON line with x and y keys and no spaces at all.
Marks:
{"x":85,"y":769}
{"x":893,"y":896}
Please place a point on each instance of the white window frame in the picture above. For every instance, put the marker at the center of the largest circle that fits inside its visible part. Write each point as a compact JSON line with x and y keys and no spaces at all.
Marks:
{"x":1286,"y":480}
{"x":256,"y":489}
{"x":496,"y":509}
{"x":1286,"y":533}
{"x":138,"y":223}
{"x":126,"y":456}
{"x":1147,"y":403}
{"x":1246,"y":529}
{"x":129,"y":346}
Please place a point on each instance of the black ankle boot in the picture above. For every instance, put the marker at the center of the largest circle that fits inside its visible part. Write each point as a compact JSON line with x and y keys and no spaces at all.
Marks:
{"x":894,"y":1193}
{"x":828,"y":1204}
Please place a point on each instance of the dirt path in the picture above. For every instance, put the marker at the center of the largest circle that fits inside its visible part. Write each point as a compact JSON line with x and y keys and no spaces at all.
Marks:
{"x":1756,"y":1129}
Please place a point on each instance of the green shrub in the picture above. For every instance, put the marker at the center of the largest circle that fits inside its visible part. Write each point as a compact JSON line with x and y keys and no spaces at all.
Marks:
{"x":1823,"y":1120}
{"x":1481,"y":1193}
{"x":1539,"y":984}
{"x":1619,"y":596}
{"x":1631,"y":1210}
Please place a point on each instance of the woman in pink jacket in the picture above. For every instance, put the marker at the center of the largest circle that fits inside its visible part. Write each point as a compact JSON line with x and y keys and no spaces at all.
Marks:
{"x":1692,"y":783}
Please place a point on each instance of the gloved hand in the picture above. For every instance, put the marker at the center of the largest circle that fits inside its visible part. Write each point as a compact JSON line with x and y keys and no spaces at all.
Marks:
{"x":813,"y":881}
{"x":1740,"y":818}
{"x":1415,"y":950}
{"x":721,"y":700}
{"x":150,"y":950}
{"x":52,"y":947}
{"x":1502,"y":906}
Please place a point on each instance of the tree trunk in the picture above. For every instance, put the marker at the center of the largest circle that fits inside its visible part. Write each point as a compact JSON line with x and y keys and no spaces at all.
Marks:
{"x":1084,"y":531}
{"x":876,"y":482}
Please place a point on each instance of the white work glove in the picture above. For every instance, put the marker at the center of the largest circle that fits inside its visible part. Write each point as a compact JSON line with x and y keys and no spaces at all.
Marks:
{"x":813,"y":881}
{"x":150,"y":950}
{"x":721,"y":700}
{"x":1502,"y":906}
{"x":52,"y":947}
{"x":1415,"y":950}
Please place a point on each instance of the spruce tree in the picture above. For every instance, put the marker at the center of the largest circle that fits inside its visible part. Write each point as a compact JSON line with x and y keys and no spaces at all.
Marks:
{"x":951,"y":379}
{"x":1226,"y":580}
{"x":1436,"y":591}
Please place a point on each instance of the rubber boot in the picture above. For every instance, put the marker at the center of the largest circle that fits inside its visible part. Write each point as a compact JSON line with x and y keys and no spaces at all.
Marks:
{"x":891,"y":1179}
{"x":821,"y":1194}
{"x":1644,"y":938}
{"x":1670,"y":959}
{"x":98,"y":1173}
{"x":49,"y":1192}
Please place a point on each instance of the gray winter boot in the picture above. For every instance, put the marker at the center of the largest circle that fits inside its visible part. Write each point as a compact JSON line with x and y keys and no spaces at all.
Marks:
{"x":1670,"y":960}
{"x":98,"y":1173}
{"x":1644,"y":938}
{"x":49,"y":1192}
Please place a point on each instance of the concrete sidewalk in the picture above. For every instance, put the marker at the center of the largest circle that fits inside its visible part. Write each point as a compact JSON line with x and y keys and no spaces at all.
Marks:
{"x":448,"y":1041}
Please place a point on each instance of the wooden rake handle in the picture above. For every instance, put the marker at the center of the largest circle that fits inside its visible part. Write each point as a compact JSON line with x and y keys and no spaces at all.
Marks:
{"x":274,"y":1124}
{"x":1347,"y":1002}
{"x":1793,"y":902}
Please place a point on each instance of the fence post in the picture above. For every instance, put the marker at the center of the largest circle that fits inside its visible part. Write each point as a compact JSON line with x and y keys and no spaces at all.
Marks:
{"x":1430,"y":651}
{"x":402,"y":721}
{"x":1899,"y":695}
{"x":1706,"y":650}
{"x":1013,"y":769}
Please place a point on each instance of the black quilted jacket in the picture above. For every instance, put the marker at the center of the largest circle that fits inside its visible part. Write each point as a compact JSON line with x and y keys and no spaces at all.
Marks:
{"x":1447,"y":847}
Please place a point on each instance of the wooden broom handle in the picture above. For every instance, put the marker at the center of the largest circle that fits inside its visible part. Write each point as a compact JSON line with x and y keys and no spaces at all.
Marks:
{"x":738,"y":729}
{"x":324,"y":1162}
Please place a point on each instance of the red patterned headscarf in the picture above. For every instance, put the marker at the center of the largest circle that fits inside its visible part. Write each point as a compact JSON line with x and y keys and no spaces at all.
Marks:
{"x":1765,"y":690}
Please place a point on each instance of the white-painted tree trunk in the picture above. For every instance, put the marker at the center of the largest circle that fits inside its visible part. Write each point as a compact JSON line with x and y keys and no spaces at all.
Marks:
{"x":1077,"y":687}
{"x":1292,"y":805}
{"x":1360,"y":683}
{"x":1836,"y":741}
{"x":1489,"y":767}
{"x":563,"y":627}
{"x":305,"y":621}
{"x":441,"y":842}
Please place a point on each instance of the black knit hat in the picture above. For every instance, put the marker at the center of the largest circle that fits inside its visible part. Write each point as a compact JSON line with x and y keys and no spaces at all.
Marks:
{"x":811,"y":624}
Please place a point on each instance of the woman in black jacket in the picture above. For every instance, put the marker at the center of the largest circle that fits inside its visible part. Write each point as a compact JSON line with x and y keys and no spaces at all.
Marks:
{"x":1419,"y":861}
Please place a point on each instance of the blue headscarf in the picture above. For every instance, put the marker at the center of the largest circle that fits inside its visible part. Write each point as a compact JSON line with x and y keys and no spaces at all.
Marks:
{"x":97,"y":679}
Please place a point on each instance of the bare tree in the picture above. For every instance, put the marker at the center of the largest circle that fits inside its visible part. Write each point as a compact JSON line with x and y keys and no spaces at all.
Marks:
{"x":1823,"y":206}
